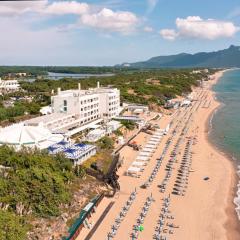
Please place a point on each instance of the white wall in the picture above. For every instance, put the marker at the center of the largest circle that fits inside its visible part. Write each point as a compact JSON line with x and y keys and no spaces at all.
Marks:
{"x":89,"y":105}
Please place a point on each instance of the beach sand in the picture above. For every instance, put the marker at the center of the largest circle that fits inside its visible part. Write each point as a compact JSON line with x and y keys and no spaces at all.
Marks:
{"x":206,"y":211}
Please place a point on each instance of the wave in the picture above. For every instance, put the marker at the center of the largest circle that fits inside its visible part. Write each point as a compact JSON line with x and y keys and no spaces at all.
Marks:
{"x":210,"y":124}
{"x":236,"y":200}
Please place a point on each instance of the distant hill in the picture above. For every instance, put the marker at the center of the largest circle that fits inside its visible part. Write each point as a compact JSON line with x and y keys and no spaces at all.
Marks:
{"x":220,"y":59}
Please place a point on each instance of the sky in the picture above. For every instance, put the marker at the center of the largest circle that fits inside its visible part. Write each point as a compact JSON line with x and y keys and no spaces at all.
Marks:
{"x":109,"y":32}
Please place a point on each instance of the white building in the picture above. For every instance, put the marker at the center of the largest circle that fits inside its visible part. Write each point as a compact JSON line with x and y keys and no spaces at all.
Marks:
{"x":78,"y":152}
{"x":88,"y":105}
{"x":8,"y":86}
{"x":77,"y":110}
{"x":186,"y":103}
{"x":46,"y":110}
{"x":95,"y":135}
{"x":137,"y":108}
{"x":21,"y":134}
{"x":112,"y":126}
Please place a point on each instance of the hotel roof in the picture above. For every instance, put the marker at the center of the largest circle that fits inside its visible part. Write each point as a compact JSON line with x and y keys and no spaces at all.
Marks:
{"x":47,"y":118}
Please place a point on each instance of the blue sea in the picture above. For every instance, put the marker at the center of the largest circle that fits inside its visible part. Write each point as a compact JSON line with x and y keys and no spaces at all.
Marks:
{"x":226,"y":121}
{"x":225,"y":132}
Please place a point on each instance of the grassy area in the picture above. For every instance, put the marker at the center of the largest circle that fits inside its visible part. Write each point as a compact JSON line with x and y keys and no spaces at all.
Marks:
{"x":103,"y":160}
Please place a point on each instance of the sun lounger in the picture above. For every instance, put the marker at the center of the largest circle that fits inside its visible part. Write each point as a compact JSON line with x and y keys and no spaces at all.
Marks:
{"x":142,"y":158}
{"x":138,"y":164}
{"x":151,"y":146}
{"x":145,"y":154}
{"x":146,"y":149}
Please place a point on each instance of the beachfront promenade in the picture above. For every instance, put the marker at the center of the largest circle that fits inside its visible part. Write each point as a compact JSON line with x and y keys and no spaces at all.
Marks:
{"x":174,"y":196}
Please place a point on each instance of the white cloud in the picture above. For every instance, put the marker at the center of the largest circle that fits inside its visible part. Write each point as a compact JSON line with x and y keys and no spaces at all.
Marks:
{"x":43,"y":7}
{"x":72,"y":7}
{"x":169,"y":34}
{"x":196,"y":27}
{"x":148,"y":29}
{"x":89,"y":15}
{"x":9,"y":8}
{"x":108,"y":20}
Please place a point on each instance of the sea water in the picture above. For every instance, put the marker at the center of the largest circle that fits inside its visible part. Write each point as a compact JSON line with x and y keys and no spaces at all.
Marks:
{"x":225,"y":123}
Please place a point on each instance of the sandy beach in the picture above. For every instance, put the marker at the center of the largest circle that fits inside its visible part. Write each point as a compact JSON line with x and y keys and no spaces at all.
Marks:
{"x":205,"y":209}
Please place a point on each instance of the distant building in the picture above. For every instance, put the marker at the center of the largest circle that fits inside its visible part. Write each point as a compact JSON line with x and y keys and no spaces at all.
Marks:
{"x":7,"y":86}
{"x":200,"y":71}
{"x":137,"y":108}
{"x":21,"y":74}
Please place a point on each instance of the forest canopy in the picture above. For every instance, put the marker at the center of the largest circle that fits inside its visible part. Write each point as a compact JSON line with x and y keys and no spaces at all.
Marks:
{"x":32,"y":182}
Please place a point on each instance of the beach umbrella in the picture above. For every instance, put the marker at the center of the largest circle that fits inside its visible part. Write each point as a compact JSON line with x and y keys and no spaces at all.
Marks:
{"x":177,"y":185}
{"x":53,"y":149}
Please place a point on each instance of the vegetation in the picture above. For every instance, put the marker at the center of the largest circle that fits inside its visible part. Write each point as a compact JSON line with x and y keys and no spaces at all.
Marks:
{"x":43,"y":70}
{"x":118,"y":132}
{"x":102,"y":160}
{"x":106,"y":143}
{"x":19,"y":109}
{"x":129,"y":125}
{"x":35,"y":181}
{"x":32,"y":183}
{"x":143,"y":87}
{"x":12,"y":227}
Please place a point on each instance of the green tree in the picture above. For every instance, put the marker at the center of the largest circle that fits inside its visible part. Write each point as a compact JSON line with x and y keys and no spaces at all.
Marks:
{"x":12,"y":227}
{"x":106,"y":143}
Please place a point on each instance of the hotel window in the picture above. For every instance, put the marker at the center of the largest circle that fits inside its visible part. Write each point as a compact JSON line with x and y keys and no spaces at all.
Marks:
{"x":65,"y":105}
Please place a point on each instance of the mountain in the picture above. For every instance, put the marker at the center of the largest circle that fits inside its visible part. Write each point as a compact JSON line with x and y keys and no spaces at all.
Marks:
{"x":220,"y":59}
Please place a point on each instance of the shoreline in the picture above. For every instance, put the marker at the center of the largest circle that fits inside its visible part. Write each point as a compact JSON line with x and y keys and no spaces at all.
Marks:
{"x":232,"y":224}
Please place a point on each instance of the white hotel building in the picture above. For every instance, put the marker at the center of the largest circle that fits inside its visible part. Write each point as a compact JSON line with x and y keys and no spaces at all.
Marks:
{"x":88,"y":105}
{"x":77,"y":110}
